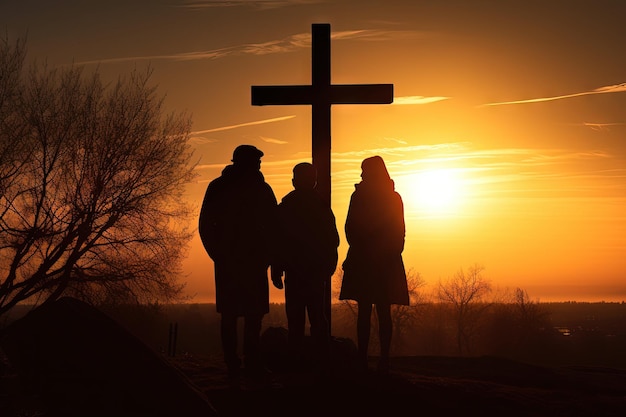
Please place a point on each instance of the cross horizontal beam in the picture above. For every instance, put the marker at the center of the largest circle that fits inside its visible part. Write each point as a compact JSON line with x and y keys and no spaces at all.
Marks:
{"x":267,"y":95}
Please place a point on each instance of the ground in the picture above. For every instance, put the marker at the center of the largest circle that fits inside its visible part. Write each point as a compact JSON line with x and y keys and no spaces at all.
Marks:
{"x":484,"y":386}
{"x":70,"y":360}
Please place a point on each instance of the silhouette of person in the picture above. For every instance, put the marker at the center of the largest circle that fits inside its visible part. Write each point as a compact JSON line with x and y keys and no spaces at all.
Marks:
{"x":307,"y":239}
{"x":236,"y":221}
{"x":373,"y":271}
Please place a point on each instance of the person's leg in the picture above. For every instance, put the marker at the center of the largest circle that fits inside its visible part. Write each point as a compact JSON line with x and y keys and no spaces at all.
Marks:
{"x":252,"y":342}
{"x":228,"y":333}
{"x":385,"y":330}
{"x":320,"y":332}
{"x":296,"y":318}
{"x":363,"y":331}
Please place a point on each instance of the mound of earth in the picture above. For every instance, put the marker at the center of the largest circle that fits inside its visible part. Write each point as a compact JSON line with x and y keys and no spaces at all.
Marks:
{"x":70,"y":359}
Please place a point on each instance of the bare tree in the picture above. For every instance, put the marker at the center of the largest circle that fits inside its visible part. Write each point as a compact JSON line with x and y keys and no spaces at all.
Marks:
{"x":91,"y":201}
{"x":465,"y":293}
{"x":528,"y":310}
{"x":532,"y":317}
{"x":11,"y":63}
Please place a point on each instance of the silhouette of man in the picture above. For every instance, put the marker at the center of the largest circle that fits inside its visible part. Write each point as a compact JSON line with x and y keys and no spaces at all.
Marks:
{"x":236,"y":221}
{"x":307,"y":239}
{"x":373,"y":271}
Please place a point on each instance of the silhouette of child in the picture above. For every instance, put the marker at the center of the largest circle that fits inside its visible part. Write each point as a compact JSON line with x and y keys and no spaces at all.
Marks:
{"x":307,"y":254}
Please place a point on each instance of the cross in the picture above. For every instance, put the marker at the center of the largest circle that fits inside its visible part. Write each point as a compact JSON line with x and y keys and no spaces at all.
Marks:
{"x":321,"y":94}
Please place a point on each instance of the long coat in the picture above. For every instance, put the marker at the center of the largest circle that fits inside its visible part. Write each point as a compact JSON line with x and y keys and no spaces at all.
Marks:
{"x":237,"y":218}
{"x":373,"y":271}
{"x":307,"y":237}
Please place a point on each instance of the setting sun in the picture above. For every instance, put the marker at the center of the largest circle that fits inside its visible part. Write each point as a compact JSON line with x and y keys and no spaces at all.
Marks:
{"x":433,"y":192}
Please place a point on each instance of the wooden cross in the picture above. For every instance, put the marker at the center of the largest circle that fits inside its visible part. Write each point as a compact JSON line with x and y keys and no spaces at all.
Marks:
{"x":321,"y":94}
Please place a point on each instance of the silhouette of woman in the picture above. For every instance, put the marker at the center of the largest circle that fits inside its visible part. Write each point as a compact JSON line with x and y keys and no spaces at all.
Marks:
{"x":374,"y":271}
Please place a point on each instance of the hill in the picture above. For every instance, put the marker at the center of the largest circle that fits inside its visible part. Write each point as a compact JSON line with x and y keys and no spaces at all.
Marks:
{"x":73,"y":360}
{"x":482,"y":386}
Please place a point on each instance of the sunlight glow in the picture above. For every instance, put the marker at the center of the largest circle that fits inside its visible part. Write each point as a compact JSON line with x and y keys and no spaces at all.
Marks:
{"x":433,"y":192}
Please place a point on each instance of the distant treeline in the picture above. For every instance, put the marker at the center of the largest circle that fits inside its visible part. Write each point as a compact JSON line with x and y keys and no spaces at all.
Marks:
{"x":569,"y":333}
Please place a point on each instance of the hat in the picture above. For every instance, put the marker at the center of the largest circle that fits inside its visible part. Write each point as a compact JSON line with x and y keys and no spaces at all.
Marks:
{"x":246,"y":153}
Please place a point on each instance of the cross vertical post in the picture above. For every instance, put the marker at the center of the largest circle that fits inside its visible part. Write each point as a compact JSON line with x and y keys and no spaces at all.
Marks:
{"x":320,"y":95}
{"x":320,"y":111}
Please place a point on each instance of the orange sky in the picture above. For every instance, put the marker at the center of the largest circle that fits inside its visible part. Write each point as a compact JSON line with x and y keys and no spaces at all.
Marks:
{"x":506,"y":139}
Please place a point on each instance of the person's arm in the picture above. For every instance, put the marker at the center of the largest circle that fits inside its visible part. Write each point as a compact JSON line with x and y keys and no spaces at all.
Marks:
{"x":276,"y":273}
{"x":207,"y":223}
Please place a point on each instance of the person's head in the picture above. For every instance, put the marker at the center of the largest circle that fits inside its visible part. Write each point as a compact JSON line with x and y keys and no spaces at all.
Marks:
{"x":373,"y":170}
{"x":304,"y":176}
{"x":247,"y":156}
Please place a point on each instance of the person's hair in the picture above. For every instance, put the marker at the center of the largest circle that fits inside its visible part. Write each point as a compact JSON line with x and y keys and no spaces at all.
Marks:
{"x":374,"y":170}
{"x":304,"y":175}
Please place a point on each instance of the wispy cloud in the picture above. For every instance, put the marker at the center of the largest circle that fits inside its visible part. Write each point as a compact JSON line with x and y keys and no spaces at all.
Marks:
{"x":504,"y":163}
{"x":617,"y":88}
{"x":200,"y":140}
{"x":377,"y":35}
{"x":284,"y":45}
{"x":406,"y":100}
{"x":261,"y":4}
{"x":257,"y":122}
{"x":273,"y":140}
{"x":602,"y":126}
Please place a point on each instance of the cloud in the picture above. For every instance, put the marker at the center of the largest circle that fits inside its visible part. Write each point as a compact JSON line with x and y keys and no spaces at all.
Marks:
{"x":602,"y":126}
{"x":513,"y":161}
{"x":200,"y":140}
{"x":273,"y":140}
{"x":288,"y":44}
{"x":397,"y":140}
{"x":201,"y":167}
{"x":261,"y":4}
{"x":377,"y":35}
{"x":257,"y":122}
{"x":417,"y":100}
{"x":616,"y":88}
